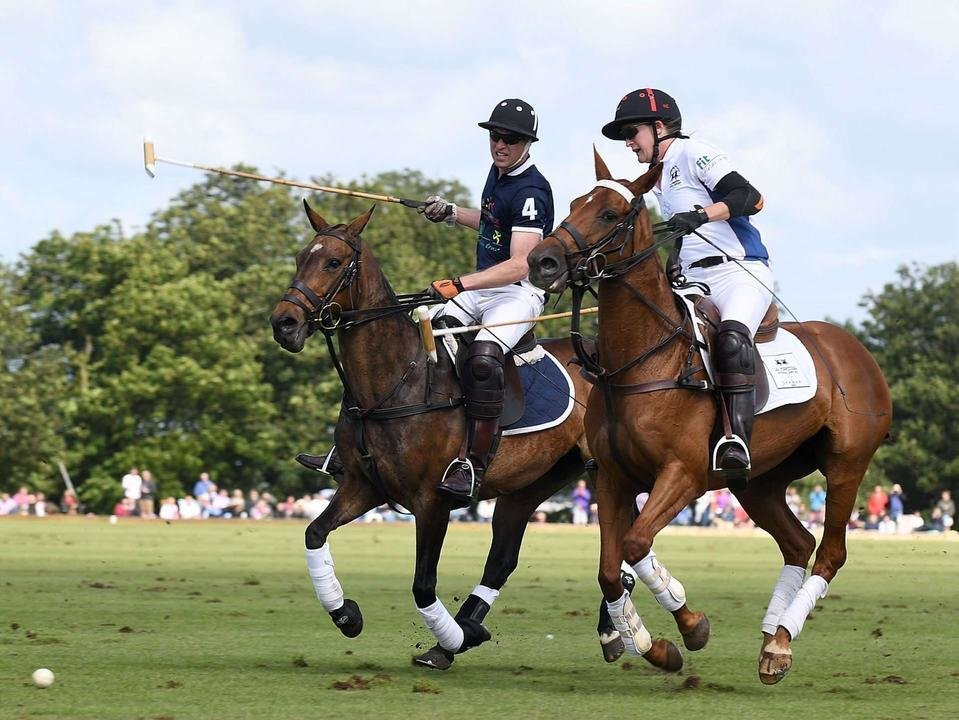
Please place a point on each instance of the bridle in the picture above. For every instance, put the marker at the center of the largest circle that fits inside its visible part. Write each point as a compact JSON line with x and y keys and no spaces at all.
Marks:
{"x":323,"y":312}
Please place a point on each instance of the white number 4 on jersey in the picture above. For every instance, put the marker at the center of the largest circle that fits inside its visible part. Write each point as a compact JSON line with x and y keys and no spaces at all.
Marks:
{"x":529,"y":209}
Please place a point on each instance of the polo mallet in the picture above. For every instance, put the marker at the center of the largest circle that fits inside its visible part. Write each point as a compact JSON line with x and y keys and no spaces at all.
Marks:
{"x":150,"y":160}
{"x":429,"y":335}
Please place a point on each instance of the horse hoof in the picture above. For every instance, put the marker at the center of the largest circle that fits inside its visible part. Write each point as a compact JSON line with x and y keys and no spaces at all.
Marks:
{"x":348,"y":619}
{"x":474,"y":634}
{"x":774,"y":662}
{"x":697,"y":638}
{"x":664,"y":655}
{"x":612,"y":645}
{"x":436,"y":658}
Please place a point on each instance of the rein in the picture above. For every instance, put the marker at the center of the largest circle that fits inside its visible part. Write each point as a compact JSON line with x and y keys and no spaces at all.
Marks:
{"x":329,"y":317}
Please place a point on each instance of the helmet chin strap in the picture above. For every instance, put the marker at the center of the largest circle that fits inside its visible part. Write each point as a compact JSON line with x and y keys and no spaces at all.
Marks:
{"x":657,"y":139}
{"x":522,"y":158}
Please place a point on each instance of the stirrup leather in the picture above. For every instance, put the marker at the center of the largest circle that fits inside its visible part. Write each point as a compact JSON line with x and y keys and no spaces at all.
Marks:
{"x":723,"y":442}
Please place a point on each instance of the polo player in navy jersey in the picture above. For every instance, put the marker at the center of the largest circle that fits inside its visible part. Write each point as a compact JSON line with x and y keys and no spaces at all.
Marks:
{"x":516,"y":211}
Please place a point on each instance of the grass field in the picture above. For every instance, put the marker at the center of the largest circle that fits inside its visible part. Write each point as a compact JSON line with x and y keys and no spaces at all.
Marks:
{"x":218,"y":620}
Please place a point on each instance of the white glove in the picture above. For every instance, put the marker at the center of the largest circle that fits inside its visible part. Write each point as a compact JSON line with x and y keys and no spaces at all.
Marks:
{"x":437,"y":209}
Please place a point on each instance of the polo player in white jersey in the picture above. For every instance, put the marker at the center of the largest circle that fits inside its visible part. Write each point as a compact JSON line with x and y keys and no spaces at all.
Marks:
{"x":699,"y":190}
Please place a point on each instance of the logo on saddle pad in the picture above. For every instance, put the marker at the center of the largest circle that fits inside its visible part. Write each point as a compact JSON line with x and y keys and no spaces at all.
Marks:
{"x":785,"y":371}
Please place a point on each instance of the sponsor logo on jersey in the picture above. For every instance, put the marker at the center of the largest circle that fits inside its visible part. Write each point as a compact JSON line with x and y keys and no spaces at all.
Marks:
{"x":703,"y":161}
{"x":674,"y":178}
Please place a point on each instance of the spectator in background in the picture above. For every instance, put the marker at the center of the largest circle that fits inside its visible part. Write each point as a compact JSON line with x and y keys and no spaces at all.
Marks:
{"x":8,"y":506}
{"x":794,"y":501}
{"x":947,"y":509}
{"x":125,"y":507}
{"x":169,"y":509}
{"x":896,"y":504}
{"x":581,"y":500}
{"x":22,"y":499}
{"x":132,"y":484}
{"x":190,"y":509}
{"x":238,"y":503}
{"x":203,"y":487}
{"x":702,"y":511}
{"x":40,"y":505}
{"x":817,"y":506}
{"x":872,"y":522}
{"x":876,"y":505}
{"x":69,"y":503}
{"x":147,"y":501}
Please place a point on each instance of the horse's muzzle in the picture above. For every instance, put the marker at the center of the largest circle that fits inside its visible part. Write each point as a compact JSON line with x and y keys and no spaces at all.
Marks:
{"x":289,"y":332}
{"x":547,"y":268}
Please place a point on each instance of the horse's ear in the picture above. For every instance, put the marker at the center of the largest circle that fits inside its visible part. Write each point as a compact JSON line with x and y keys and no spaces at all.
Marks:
{"x":644,"y":183}
{"x":356,"y":227}
{"x":316,"y":220}
{"x":602,"y":172}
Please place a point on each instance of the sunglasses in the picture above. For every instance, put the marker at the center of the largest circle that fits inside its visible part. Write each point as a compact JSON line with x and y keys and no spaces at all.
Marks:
{"x":509,"y":138}
{"x":628,"y":132}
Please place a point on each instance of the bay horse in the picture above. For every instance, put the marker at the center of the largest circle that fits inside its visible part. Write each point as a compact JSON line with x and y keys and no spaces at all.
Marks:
{"x":401,"y":422}
{"x":649,"y":429}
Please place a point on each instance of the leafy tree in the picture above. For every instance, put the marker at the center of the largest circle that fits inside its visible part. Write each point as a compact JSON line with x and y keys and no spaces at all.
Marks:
{"x":913,"y":334}
{"x":31,"y":384}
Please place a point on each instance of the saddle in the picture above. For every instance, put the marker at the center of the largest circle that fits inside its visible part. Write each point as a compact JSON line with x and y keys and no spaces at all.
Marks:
{"x":514,"y":400}
{"x":708,"y":315}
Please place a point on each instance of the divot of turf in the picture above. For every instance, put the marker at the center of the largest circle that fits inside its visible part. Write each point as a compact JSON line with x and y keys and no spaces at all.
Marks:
{"x":421,"y":686}
{"x":300,"y":661}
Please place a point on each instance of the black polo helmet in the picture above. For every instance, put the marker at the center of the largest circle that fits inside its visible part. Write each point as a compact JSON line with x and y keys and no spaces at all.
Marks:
{"x":515,"y":115}
{"x":642,"y":106}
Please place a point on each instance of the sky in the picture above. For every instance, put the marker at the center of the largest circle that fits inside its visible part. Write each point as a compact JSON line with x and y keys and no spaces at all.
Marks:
{"x":843,"y":114}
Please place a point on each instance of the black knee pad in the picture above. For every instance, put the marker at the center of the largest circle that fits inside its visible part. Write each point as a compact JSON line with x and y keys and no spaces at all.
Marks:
{"x":734,"y":349}
{"x":484,"y":380}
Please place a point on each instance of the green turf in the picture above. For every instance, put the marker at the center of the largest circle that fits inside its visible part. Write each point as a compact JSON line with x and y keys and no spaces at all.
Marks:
{"x":218,"y":620}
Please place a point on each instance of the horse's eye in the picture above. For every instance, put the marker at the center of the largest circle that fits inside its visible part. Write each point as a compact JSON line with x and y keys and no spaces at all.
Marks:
{"x":332,"y":264}
{"x":609,"y":216}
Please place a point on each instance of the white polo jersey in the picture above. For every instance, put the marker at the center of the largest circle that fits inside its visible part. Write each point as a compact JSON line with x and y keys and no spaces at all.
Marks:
{"x":691,"y":170}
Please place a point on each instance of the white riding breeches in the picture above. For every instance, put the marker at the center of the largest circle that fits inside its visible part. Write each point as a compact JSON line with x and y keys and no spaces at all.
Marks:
{"x":738,"y":294}
{"x":502,"y":304}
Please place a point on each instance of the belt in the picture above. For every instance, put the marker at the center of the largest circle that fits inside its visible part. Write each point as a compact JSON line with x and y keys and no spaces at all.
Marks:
{"x":710,"y":261}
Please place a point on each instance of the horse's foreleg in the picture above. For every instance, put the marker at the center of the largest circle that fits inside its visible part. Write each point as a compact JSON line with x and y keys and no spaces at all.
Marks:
{"x":616,"y":511}
{"x":671,"y":596}
{"x":510,"y":519}
{"x":432,"y":520}
{"x":352,"y":499}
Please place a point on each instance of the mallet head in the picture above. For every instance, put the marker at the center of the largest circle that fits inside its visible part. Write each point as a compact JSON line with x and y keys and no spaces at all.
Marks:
{"x":149,"y":158}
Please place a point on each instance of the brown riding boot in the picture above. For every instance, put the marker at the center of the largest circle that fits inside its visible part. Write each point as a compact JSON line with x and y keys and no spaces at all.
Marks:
{"x":484,"y":384}
{"x":736,"y":381}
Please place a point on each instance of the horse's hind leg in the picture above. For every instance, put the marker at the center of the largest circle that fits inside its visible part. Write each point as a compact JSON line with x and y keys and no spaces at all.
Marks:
{"x":764,"y":500}
{"x":352,"y":499}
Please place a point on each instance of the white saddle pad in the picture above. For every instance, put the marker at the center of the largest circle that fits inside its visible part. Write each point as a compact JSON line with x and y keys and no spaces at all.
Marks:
{"x":790,"y":369}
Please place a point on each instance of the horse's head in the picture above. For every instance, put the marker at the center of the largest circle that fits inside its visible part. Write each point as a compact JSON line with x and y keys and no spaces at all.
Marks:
{"x":321,"y":287}
{"x":600,"y":221}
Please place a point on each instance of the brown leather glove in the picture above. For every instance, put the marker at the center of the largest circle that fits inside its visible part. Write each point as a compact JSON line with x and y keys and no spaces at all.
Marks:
{"x":446,"y":289}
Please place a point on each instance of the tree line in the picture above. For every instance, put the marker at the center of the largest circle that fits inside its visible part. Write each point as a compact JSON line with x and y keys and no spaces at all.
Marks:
{"x":154,"y":348}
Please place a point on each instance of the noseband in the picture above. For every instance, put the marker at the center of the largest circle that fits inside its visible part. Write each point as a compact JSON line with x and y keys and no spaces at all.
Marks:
{"x":325,"y":313}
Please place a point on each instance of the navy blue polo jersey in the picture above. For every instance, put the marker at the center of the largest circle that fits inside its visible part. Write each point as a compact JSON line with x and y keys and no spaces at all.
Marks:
{"x":520,"y":200}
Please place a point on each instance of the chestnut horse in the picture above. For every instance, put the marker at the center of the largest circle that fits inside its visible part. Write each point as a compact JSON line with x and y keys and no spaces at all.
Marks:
{"x":648,"y":429}
{"x":401,"y":422}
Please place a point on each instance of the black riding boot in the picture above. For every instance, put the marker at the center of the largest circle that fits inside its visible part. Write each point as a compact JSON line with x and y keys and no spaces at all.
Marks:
{"x":736,"y":366}
{"x":329,"y":464}
{"x":484,"y":384}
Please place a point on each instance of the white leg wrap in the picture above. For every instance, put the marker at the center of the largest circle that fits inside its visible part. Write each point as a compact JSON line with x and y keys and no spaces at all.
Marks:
{"x":320,"y":564}
{"x":486,"y":594}
{"x":814,"y":588}
{"x":630,"y":626}
{"x":667,"y":590}
{"x":790,"y":580}
{"x":438,"y":619}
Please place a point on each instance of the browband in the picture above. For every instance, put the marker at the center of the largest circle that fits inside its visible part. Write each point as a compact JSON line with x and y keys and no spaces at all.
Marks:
{"x":618,"y":187}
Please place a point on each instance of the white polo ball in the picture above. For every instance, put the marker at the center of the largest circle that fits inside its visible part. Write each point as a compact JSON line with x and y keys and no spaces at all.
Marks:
{"x":43,"y":678}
